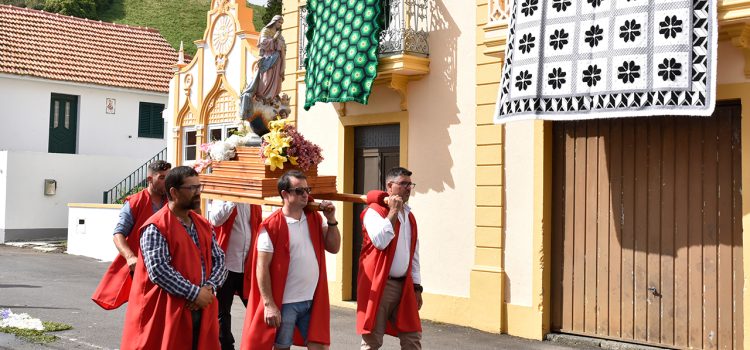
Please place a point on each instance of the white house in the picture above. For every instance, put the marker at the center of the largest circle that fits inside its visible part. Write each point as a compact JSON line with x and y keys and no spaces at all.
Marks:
{"x":82,"y":108}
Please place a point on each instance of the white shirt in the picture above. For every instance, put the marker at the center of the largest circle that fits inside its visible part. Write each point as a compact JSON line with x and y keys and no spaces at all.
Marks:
{"x":241,"y":238}
{"x":302,"y":278}
{"x":381,"y":233}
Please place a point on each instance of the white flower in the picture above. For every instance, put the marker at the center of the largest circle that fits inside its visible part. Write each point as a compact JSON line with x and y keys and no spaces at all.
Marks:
{"x":21,"y":321}
{"x":232,"y":141}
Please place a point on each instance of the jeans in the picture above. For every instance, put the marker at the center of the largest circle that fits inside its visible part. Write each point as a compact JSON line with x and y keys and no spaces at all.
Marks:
{"x":293,"y":314}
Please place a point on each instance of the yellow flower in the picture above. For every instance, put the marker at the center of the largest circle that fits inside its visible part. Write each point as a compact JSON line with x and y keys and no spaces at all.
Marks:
{"x":275,"y":161}
{"x":293,"y":160}
{"x":276,"y":125}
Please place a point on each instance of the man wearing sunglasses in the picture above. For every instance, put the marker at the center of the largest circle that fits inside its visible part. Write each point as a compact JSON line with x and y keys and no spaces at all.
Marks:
{"x":114,"y":288}
{"x":389,"y":294}
{"x":290,"y":286}
{"x":179,"y":268}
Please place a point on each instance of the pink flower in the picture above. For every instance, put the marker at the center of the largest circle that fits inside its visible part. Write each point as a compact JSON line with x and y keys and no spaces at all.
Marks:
{"x":205,"y":147}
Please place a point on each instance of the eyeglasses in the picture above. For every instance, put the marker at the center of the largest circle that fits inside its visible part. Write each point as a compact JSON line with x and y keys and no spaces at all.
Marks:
{"x":410,"y":185}
{"x":300,"y":190}
{"x":194,"y":188}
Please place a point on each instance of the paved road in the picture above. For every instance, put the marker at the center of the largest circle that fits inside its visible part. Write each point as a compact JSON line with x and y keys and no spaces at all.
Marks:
{"x":57,"y":287}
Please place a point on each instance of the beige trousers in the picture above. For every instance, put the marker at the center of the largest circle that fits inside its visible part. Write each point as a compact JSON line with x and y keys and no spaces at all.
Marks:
{"x":387,"y":310}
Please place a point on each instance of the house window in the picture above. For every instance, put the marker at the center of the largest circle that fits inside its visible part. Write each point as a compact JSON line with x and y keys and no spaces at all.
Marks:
{"x":150,"y":122}
{"x":190,"y":145}
{"x":219,"y":132}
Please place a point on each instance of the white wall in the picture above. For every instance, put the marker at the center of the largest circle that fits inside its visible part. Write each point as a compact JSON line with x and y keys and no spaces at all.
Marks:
{"x":80,"y":179}
{"x":92,"y":238}
{"x":3,"y":180}
{"x":731,"y":67}
{"x":26,"y":111}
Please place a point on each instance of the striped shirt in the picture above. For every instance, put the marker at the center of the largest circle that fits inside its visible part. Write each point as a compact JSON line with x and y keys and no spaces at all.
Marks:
{"x":157,"y":260}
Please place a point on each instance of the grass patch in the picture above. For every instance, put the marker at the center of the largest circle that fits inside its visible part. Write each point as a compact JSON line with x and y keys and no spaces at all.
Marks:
{"x":38,"y":337}
{"x":176,"y":20}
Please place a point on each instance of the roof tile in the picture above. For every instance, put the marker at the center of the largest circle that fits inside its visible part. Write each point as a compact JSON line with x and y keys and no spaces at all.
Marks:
{"x":58,"y":47}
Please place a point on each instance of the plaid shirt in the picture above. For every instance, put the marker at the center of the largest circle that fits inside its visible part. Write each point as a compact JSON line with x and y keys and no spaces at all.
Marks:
{"x":157,"y":260}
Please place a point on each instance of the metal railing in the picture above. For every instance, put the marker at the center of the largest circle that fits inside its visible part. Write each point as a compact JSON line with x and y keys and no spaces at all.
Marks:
{"x":499,"y":10}
{"x":405,"y":30}
{"x":133,"y":182}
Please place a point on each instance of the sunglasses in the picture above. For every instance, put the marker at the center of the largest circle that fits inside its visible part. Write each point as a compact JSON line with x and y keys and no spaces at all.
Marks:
{"x":300,"y":190}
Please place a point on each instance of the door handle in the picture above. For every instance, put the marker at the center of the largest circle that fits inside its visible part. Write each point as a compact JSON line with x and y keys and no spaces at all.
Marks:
{"x":654,"y":291}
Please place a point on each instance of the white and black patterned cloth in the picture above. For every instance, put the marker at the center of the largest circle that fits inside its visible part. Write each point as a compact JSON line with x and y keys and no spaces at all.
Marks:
{"x":583,"y":59}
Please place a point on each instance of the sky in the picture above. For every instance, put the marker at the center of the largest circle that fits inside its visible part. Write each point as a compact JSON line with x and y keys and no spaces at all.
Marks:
{"x":257,"y":2}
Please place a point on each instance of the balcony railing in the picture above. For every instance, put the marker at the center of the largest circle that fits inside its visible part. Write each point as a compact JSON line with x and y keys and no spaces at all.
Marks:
{"x":405,"y":31}
{"x":499,"y":10}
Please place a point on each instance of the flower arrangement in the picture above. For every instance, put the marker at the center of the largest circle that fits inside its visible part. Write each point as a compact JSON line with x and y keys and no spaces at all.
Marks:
{"x":20,"y":321}
{"x":285,"y":144}
{"x":222,"y":150}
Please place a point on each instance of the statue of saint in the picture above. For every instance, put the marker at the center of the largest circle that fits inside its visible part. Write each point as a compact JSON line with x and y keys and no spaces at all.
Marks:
{"x":273,"y":55}
{"x":261,"y":94}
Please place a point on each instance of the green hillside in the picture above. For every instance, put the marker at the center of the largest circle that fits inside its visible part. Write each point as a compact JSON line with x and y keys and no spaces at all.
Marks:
{"x":177,"y":21}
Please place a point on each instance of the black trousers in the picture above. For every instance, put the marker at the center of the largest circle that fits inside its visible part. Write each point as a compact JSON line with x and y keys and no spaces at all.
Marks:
{"x":225,"y":295}
{"x":197,"y":315}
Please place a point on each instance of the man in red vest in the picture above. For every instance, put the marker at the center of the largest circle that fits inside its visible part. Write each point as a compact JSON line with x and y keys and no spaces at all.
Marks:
{"x":289,"y":299}
{"x":114,"y":288}
{"x":179,"y":268}
{"x":236,"y":224}
{"x":389,"y":294}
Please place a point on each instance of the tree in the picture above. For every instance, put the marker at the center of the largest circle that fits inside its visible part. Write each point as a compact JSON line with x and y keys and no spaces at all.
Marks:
{"x":273,"y":8}
{"x":77,"y":8}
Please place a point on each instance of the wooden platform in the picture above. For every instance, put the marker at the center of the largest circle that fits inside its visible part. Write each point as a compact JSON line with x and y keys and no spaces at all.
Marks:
{"x":247,"y":179}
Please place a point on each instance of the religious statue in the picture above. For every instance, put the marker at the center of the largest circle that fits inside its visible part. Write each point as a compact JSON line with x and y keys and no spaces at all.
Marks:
{"x":273,"y":56}
{"x":262,"y":94}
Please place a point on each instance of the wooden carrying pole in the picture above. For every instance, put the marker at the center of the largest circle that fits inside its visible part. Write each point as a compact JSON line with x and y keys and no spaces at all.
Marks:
{"x":276,"y":201}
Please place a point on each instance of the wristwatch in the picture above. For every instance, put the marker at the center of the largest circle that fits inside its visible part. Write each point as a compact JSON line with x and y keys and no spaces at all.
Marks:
{"x":332,"y":223}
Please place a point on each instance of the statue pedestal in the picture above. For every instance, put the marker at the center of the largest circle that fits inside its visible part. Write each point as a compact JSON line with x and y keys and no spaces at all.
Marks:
{"x":247,"y":176}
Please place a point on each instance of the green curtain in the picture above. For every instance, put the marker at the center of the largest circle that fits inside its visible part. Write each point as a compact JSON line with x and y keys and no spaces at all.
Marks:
{"x":342,"y":50}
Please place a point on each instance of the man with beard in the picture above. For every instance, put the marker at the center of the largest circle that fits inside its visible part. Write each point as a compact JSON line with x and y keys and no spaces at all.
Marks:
{"x":114,"y":288}
{"x":179,"y":268}
{"x":389,"y":294}
{"x":289,"y":299}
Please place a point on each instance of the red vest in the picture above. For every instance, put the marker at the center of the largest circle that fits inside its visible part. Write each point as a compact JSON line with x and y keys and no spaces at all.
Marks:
{"x":374,"y":266}
{"x":224,"y":231}
{"x":256,"y":334}
{"x":114,"y":288}
{"x":156,"y":319}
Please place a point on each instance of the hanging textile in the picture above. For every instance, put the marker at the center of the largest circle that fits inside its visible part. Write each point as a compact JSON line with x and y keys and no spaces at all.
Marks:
{"x":342,"y":50}
{"x":584,"y":59}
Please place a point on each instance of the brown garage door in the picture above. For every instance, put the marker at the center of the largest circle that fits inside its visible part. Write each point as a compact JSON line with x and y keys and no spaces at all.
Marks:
{"x":647,"y":230}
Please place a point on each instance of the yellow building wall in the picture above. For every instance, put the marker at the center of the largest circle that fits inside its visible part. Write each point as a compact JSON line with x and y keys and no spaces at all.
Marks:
{"x":438,"y":132}
{"x":488,"y":274}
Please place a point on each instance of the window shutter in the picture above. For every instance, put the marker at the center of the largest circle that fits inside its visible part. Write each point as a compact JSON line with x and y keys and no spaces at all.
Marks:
{"x":150,"y":122}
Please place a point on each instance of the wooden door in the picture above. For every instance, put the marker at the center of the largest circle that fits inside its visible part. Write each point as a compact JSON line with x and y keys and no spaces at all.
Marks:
{"x":647,"y":235}
{"x":376,"y":151}
{"x":63,"y":124}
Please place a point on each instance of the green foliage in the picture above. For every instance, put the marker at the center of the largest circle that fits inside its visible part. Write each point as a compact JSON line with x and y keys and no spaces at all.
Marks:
{"x":183,"y":20}
{"x":38,"y":337}
{"x":258,"y":13}
{"x":133,"y":190}
{"x":77,"y":8}
{"x":55,"y":326}
{"x":273,"y":8}
{"x":32,"y":4}
{"x":177,"y":21}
